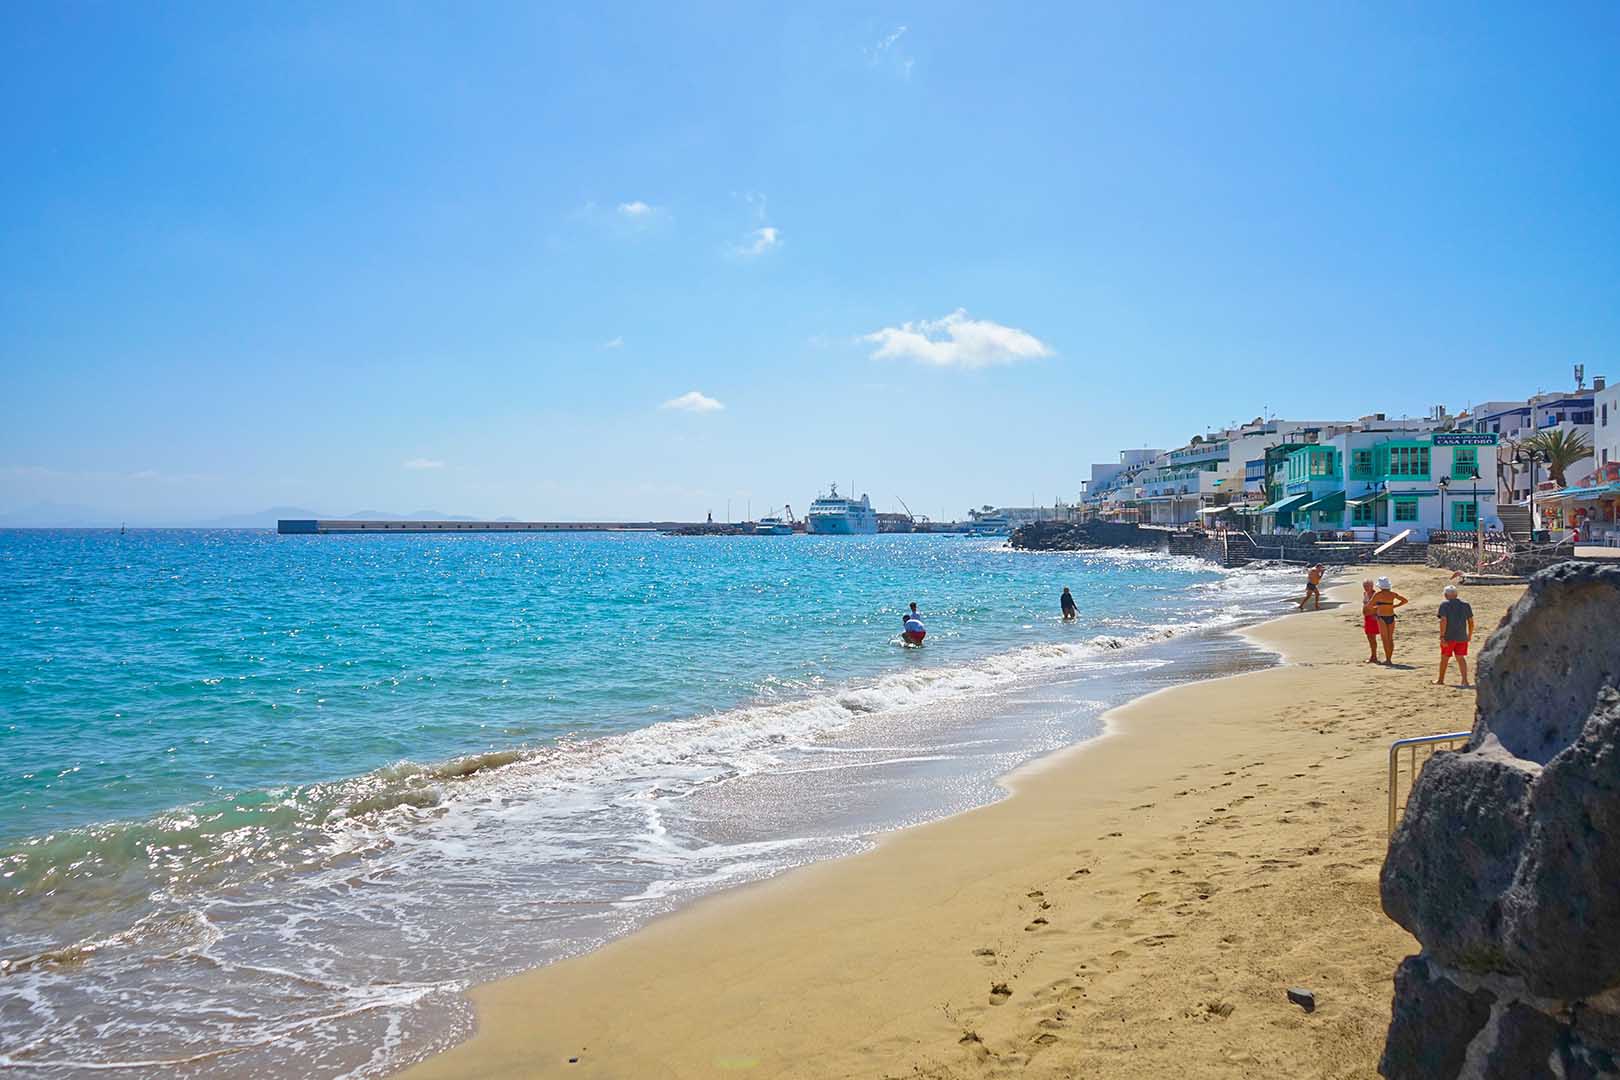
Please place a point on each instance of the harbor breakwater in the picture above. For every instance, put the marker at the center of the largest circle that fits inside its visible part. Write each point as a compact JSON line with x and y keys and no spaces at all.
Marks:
{"x":1087,"y":535}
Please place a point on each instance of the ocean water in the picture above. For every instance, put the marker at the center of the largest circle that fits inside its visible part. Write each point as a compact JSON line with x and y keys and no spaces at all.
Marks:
{"x":269,"y":804}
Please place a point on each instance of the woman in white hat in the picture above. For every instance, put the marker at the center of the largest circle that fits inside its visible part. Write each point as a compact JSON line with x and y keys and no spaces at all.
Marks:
{"x":1384,"y":602}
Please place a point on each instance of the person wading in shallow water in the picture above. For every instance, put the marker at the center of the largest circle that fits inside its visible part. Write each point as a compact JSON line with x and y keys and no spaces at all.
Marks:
{"x":1313,"y":588}
{"x":912,"y":628}
{"x":1384,"y":603}
{"x":1066,"y":602}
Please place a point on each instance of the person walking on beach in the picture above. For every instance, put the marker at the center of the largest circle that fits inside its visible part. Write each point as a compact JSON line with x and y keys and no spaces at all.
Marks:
{"x":1313,"y":588}
{"x":1369,"y":620}
{"x":1384,"y":603}
{"x":1066,"y":602}
{"x":1456,"y":629}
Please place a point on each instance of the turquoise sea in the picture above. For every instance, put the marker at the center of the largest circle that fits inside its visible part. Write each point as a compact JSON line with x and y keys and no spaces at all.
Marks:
{"x":270,"y":804}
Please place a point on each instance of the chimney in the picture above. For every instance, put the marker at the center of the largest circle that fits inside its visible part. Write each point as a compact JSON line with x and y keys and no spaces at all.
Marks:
{"x":1599,"y":382}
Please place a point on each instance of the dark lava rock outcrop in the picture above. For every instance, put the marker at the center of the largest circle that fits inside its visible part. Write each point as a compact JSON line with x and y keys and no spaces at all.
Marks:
{"x":1506,"y":865}
{"x":1082,"y":536}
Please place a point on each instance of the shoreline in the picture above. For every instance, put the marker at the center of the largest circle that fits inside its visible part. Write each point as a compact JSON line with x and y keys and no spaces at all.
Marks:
{"x":1027,"y":932}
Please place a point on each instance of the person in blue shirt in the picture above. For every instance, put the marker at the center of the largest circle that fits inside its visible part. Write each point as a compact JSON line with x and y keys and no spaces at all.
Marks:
{"x":913,"y":630}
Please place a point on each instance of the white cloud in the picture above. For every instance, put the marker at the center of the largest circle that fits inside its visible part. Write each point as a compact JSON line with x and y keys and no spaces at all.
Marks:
{"x":760,"y":241}
{"x":694,"y":402}
{"x":419,"y":463}
{"x":636,"y":209}
{"x":956,"y":341}
{"x":888,"y":42}
{"x":886,"y":53}
{"x":614,"y":343}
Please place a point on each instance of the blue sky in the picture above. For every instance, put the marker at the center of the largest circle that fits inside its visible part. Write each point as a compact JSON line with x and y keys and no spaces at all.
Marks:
{"x":461,"y":256}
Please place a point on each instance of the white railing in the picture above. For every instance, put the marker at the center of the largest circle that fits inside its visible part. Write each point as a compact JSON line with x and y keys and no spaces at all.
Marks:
{"x":1430,"y":743}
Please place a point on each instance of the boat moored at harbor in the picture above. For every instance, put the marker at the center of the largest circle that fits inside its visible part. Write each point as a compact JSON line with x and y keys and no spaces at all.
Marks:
{"x":838,"y":515}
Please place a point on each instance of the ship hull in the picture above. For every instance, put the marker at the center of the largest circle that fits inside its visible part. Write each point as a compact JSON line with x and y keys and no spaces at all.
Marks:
{"x":841,"y":525}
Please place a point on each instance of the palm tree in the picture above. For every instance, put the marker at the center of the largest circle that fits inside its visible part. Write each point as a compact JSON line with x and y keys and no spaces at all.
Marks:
{"x":1563,"y":447}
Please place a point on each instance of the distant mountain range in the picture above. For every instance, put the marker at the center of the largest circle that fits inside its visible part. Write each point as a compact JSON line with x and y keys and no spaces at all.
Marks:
{"x":67,"y":516}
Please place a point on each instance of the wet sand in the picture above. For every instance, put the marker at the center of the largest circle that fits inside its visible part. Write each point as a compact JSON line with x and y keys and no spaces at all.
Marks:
{"x":1137,"y":908}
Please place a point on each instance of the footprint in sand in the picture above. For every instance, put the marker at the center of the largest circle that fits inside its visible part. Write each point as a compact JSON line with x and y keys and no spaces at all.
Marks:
{"x":1034,"y":894}
{"x":999,"y":993}
{"x":1079,"y":873}
{"x":1036,"y":923}
{"x":1045,"y":1038}
{"x":987,"y":955}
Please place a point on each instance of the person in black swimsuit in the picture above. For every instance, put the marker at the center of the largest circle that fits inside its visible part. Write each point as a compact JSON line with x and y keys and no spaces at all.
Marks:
{"x":1066,"y":602}
{"x":1313,"y":587}
{"x":1384,"y":602}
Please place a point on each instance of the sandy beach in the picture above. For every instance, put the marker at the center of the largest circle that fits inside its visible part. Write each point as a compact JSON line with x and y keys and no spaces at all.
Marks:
{"x":1137,"y":908}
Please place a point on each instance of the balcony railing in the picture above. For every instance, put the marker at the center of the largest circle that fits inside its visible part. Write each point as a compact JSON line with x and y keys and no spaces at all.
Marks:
{"x":1467,"y":538}
{"x":1202,"y":452}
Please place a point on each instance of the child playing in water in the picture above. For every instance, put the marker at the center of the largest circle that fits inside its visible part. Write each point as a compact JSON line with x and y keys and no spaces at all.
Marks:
{"x":913,"y":632}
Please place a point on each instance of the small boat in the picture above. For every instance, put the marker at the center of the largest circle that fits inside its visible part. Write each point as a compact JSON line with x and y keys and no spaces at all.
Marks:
{"x":772,"y":526}
{"x":982,"y":524}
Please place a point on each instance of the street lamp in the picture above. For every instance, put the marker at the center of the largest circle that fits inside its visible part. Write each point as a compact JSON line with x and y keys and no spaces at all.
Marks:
{"x":1444,"y":486}
{"x":1529,"y":455}
{"x":1479,"y":522}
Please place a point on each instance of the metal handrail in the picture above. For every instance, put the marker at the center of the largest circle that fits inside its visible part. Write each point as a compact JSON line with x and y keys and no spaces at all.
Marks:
{"x":1411,"y":746}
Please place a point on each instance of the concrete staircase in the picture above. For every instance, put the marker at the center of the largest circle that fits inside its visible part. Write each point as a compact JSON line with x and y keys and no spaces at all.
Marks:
{"x":1515,"y":521}
{"x":1406,"y":553}
{"x":1338,"y":552}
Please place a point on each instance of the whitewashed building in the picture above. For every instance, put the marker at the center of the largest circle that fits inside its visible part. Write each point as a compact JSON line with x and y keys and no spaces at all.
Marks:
{"x":1375,"y":481}
{"x":1605,"y":423}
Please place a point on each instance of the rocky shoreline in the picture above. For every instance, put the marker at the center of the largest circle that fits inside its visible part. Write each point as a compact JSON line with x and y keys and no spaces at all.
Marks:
{"x":1083,"y":536}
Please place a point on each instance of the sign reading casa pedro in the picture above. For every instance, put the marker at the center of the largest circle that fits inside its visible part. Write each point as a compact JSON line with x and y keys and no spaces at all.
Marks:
{"x":1466,"y":438}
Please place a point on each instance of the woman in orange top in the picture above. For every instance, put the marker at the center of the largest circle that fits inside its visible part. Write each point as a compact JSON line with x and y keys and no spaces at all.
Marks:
{"x":1384,"y":602}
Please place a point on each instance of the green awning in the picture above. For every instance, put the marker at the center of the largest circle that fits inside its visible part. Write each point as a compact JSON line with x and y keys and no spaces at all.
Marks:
{"x":1325,"y":505}
{"x":1288,"y":503}
{"x":1367,"y":499}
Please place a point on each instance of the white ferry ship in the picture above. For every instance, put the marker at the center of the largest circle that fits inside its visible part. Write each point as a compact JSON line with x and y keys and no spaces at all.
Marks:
{"x":834,"y":515}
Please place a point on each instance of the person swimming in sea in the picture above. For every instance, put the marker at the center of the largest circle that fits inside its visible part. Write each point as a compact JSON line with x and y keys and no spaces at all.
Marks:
{"x":1066,"y":602}
{"x":1384,"y":603}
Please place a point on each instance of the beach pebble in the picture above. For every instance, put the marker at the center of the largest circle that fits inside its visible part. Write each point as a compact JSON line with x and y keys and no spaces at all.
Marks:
{"x":1305,"y":999}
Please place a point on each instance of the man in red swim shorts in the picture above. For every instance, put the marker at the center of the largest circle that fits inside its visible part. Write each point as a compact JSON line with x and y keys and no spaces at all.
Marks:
{"x":1456,"y":629}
